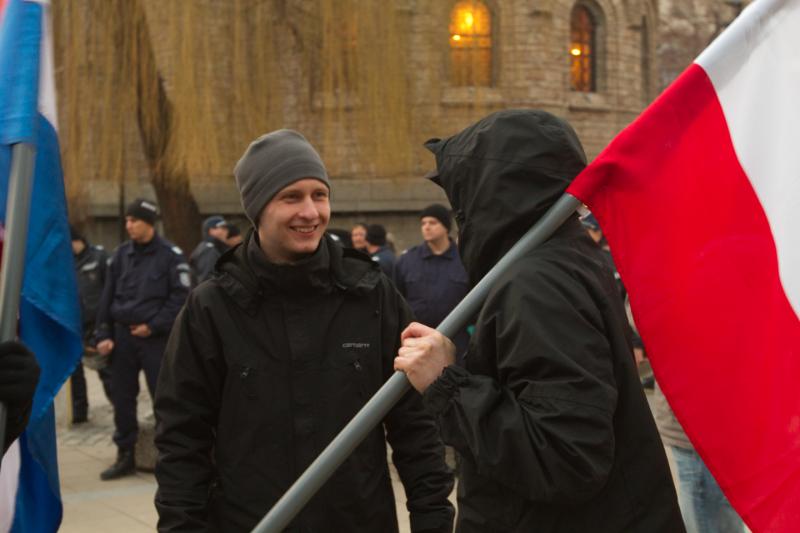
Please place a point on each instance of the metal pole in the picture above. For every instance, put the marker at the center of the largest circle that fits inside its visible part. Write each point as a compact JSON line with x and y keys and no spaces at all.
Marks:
{"x":18,"y":203}
{"x":390,"y":393}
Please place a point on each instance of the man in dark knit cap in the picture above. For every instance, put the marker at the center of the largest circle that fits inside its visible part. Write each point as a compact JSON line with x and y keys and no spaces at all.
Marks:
{"x":270,"y":359}
{"x":430,"y":276}
{"x":378,"y":250}
{"x":146,"y":284}
{"x":90,"y":269}
{"x":204,"y":256}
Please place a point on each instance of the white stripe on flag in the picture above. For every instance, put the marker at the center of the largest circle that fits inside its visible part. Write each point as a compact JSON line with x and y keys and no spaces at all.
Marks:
{"x":755,"y":70}
{"x":9,"y":480}
{"x":47,"y":86}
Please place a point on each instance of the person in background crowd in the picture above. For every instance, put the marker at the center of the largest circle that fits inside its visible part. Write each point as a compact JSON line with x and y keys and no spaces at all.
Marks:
{"x":431,"y":277}
{"x":549,"y":418}
{"x":90,"y":269}
{"x":19,"y":375}
{"x":214,"y":244}
{"x":234,"y":235}
{"x":273,"y":356}
{"x":147,"y":282}
{"x":377,"y":249}
{"x":358,"y":235}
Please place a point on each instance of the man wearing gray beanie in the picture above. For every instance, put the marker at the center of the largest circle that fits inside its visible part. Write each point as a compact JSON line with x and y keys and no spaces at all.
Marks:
{"x":272,"y":162}
{"x":273,"y":355}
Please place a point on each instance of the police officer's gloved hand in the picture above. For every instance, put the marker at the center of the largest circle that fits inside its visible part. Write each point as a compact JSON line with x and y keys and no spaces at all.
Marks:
{"x":19,"y":374}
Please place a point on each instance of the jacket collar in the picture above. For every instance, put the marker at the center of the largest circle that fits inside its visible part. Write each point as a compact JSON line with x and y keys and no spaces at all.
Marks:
{"x":310,"y":274}
{"x":149,"y":248}
{"x":450,"y":253}
{"x":248,"y":284}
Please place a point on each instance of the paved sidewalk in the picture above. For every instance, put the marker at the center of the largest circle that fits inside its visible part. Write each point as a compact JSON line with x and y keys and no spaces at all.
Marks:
{"x":90,"y":505}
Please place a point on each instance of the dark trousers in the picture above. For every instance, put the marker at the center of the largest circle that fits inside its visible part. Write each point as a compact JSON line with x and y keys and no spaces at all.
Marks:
{"x":80,"y":398}
{"x":132,"y":355}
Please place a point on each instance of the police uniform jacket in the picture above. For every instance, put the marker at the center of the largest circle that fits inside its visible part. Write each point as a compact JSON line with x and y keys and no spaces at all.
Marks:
{"x":433,"y":285}
{"x":145,"y":284}
{"x":265,"y":365}
{"x":90,"y":267}
{"x":549,"y":415}
{"x":204,"y":257}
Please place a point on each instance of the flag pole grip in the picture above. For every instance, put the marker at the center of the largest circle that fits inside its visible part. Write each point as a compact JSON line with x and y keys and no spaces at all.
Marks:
{"x":376,"y":409}
{"x":18,"y":204}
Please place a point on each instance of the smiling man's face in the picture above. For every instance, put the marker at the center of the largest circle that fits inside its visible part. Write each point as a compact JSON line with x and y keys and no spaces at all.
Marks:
{"x":293,"y":222}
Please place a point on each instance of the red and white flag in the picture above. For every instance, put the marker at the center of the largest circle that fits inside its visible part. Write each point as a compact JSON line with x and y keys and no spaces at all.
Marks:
{"x":700,"y":201}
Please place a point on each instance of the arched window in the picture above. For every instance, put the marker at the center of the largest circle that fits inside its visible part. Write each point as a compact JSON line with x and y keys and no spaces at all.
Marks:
{"x":582,"y":50}
{"x":470,"y":44}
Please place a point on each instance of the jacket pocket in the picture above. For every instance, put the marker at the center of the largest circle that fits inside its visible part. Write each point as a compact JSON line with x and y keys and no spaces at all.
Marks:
{"x":349,"y":376}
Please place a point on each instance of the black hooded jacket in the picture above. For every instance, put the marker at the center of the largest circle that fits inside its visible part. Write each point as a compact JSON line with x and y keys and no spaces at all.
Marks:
{"x":549,"y":416}
{"x":265,"y":364}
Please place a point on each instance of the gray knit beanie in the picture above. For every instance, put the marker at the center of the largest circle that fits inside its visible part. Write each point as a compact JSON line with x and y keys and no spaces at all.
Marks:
{"x":272,"y":162}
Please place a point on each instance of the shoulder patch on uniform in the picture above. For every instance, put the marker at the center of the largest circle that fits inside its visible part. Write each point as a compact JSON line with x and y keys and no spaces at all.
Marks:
{"x":177,"y":250}
{"x":185,"y":279}
{"x":209,"y":245}
{"x":89,"y":266}
{"x":183,"y":267}
{"x":109,"y":260}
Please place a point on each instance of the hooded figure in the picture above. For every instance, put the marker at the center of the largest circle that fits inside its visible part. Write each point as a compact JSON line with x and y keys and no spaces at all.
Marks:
{"x":549,"y":418}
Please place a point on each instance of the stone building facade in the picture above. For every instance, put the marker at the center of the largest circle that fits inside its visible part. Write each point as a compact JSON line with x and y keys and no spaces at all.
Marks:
{"x":524,"y":55}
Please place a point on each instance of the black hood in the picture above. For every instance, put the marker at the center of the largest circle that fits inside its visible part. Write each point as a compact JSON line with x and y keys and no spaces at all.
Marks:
{"x":501,"y":175}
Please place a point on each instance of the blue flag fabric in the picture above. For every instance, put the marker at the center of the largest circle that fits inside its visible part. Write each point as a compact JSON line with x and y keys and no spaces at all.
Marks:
{"x":49,"y":315}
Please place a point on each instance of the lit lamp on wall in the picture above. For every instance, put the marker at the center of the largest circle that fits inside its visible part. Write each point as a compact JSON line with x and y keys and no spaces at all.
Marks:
{"x":470,"y":43}
{"x":581,"y":48}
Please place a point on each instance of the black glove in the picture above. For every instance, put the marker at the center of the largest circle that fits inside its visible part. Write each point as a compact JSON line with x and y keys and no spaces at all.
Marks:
{"x":19,"y":374}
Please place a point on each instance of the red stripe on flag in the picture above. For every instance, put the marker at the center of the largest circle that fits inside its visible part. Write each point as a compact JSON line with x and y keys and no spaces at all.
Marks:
{"x":695,"y":250}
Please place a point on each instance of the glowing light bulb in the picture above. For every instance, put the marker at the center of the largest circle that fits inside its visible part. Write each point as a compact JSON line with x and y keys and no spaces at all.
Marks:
{"x":575,"y":51}
{"x":469,"y":20}
{"x":456,"y":37}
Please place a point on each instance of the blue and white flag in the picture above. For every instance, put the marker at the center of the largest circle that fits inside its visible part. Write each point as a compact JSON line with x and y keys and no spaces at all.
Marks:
{"x":49,"y":315}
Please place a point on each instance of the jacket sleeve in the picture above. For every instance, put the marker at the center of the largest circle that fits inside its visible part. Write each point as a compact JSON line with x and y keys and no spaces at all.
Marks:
{"x":543,"y":424}
{"x":187,"y":403}
{"x":417,"y":450}
{"x":180,"y":282}
{"x":104,"y":327}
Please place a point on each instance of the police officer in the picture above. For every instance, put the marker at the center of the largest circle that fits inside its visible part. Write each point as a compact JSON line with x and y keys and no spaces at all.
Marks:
{"x":148,"y":280}
{"x":431,"y":277}
{"x":90,"y":268}
{"x":213,"y":245}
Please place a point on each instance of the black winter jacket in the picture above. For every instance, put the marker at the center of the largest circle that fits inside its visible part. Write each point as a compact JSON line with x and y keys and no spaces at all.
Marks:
{"x":264,"y":366}
{"x":549,"y":416}
{"x":90,"y":267}
{"x":204,"y":257}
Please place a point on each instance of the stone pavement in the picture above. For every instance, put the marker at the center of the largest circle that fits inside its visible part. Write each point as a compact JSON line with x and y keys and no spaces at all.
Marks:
{"x":124,"y":505}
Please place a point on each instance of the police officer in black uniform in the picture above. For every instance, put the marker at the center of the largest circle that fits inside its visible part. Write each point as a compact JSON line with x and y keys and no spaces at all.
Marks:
{"x":147,"y":282}
{"x":90,"y":268}
{"x":205,"y":255}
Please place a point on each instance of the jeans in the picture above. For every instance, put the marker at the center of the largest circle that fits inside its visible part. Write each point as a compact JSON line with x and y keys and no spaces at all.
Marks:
{"x":704,"y":507}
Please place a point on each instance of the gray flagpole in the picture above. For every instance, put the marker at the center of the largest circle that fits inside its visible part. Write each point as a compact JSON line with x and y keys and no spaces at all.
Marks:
{"x":18,"y":204}
{"x":395,"y":387}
